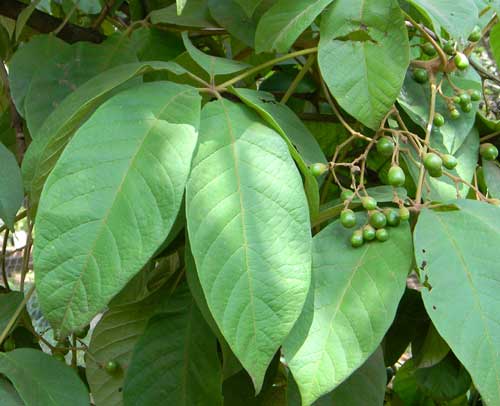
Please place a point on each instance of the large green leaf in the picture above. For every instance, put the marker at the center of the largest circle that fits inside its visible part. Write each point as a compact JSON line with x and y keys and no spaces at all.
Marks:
{"x":249,"y":5}
{"x":195,"y":14}
{"x":175,"y":361}
{"x":69,"y":69}
{"x":95,"y":232}
{"x":11,"y":187}
{"x":213,"y":65}
{"x":456,"y":17}
{"x":352,"y":302}
{"x":230,"y":15}
{"x":58,"y":128}
{"x":42,"y":380}
{"x":22,"y":70}
{"x":8,"y":305}
{"x":249,"y":232}
{"x":492,"y":177}
{"x":282,"y":24}
{"x":415,"y":100}
{"x":369,"y":38}
{"x":8,"y":394}
{"x":457,"y":252}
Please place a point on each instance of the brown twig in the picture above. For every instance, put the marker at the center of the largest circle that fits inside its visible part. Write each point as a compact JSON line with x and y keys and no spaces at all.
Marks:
{"x":104,"y":12}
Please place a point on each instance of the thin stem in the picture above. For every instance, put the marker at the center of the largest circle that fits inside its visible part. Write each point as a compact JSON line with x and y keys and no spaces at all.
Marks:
{"x":490,"y":136}
{"x":4,"y":250}
{"x":16,"y":314}
{"x":66,"y":19}
{"x":272,"y":62}
{"x":293,"y":86}
{"x":335,"y":109}
{"x":26,"y":256}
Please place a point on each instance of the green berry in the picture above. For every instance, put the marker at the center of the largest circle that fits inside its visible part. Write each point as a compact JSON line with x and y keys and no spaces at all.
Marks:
{"x":456,"y":99}
{"x":112,"y":367}
{"x":461,"y":61}
{"x":369,"y":203}
{"x":346,"y":194}
{"x":318,"y":169}
{"x":81,"y":332}
{"x":449,"y":161}
{"x":488,"y":152}
{"x":59,"y":356}
{"x":382,"y":235}
{"x":475,"y":95}
{"x":438,"y":120}
{"x":466,"y":107}
{"x":465,"y":98}
{"x":392,"y":217}
{"x":475,"y":35}
{"x":429,"y":49}
{"x":420,"y":75}
{"x":368,"y":233}
{"x":436,"y":173}
{"x":396,"y":176}
{"x":454,"y":114}
{"x":432,"y":161}
{"x":378,"y":220}
{"x":404,"y":213}
{"x":9,"y":344}
{"x":357,"y":239}
{"x":385,"y":146}
{"x":348,"y":218}
{"x":449,"y":47}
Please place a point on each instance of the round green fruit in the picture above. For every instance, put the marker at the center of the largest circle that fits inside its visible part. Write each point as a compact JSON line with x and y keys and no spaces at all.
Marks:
{"x":9,"y":344}
{"x":466,"y":107}
{"x":475,"y":95}
{"x":348,"y":218}
{"x":429,"y":49}
{"x":368,"y":233}
{"x":346,"y":194}
{"x":81,"y":332}
{"x":385,"y":146}
{"x":377,"y":220}
{"x":112,"y":367}
{"x":318,"y":169}
{"x":396,"y":176}
{"x":436,"y":173}
{"x":488,"y":151}
{"x":432,"y":161}
{"x":438,"y":120}
{"x":465,"y":98}
{"x":475,"y":35}
{"x":449,"y":161}
{"x":461,"y":61}
{"x":420,"y":75}
{"x":59,"y":356}
{"x":357,"y":239}
{"x":449,"y":47}
{"x":382,"y":235}
{"x":369,"y":203}
{"x":392,"y":217}
{"x":404,"y":213}
{"x":454,"y":114}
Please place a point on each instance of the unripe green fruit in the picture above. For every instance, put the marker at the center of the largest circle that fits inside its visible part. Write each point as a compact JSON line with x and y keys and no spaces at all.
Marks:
{"x":404,"y":214}
{"x":436,"y":173}
{"x":112,"y":367}
{"x":429,"y":49}
{"x":432,"y":161}
{"x":382,"y":235}
{"x":456,"y":99}
{"x":368,"y":233}
{"x":385,"y":146}
{"x":392,"y":217}
{"x":475,"y":35}
{"x":465,"y":98}
{"x":318,"y":169}
{"x":346,"y":194}
{"x":449,"y":47}
{"x":369,"y":203}
{"x":357,"y":239}
{"x":9,"y":344}
{"x":488,"y":151}
{"x":59,"y":356}
{"x":461,"y":61}
{"x":475,"y":95}
{"x":378,"y":220}
{"x":438,"y":120}
{"x":420,"y":75}
{"x":454,"y":114}
{"x":449,"y":161}
{"x":466,"y":107}
{"x":81,"y":332}
{"x":348,"y":218}
{"x":396,"y":176}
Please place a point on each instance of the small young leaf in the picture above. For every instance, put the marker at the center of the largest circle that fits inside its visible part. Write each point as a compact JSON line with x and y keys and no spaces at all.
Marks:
{"x":195,"y":14}
{"x":230,"y":15}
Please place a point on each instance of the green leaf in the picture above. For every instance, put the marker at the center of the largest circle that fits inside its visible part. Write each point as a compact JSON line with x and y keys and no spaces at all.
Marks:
{"x":94,"y":232}
{"x":374,"y":56}
{"x":8,"y":394}
{"x":69,"y":69}
{"x":195,"y":14}
{"x":301,"y":143}
{"x":406,"y":388}
{"x":153,"y":44}
{"x":58,"y":128}
{"x":458,"y":18}
{"x":365,"y":387}
{"x":282,"y":24}
{"x":230,"y":15}
{"x":492,"y":177}
{"x":114,"y":338}
{"x":175,"y":361}
{"x":249,"y":5}
{"x":42,"y":380}
{"x":415,"y":100}
{"x":11,"y":187}
{"x":351,"y":305}
{"x":22,"y":70}
{"x":430,"y":349}
{"x":457,"y":253}
{"x":249,"y":232}
{"x":495,"y":43}
{"x":9,"y":302}
{"x":180,"y":6}
{"x":23,"y":18}
{"x":213,"y":65}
